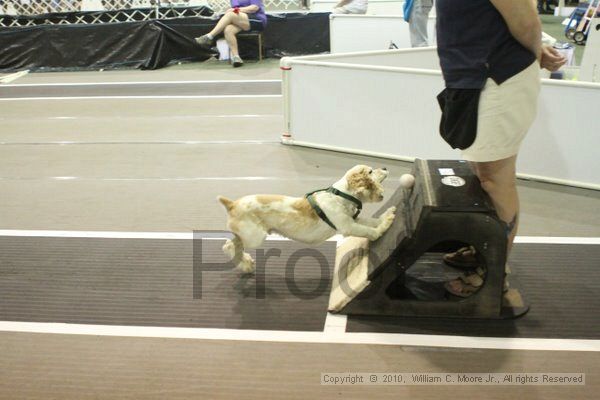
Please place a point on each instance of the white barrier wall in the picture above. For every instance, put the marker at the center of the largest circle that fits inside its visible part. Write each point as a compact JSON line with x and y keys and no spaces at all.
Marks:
{"x":390,"y":111}
{"x":422,"y":58}
{"x":371,"y":32}
{"x":376,"y":7}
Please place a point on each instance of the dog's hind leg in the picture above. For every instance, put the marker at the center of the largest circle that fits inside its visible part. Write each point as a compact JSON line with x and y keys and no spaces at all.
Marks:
{"x":234,"y":249}
{"x":249,"y":236}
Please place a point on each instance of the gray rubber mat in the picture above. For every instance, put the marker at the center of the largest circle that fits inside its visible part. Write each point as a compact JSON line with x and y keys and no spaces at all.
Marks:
{"x":204,"y":88}
{"x":162,"y":283}
{"x":153,"y":282}
{"x":562,"y":283}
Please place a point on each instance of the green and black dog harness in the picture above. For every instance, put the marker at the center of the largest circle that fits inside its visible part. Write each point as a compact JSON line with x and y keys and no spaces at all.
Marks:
{"x":332,"y":190}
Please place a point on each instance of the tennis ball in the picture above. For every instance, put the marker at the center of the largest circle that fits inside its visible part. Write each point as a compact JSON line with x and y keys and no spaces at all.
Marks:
{"x":407,"y":181}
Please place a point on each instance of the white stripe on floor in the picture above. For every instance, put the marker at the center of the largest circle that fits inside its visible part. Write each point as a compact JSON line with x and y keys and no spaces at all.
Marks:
{"x":333,"y":337}
{"x":557,"y":240}
{"x":139,"y":83}
{"x":171,"y":117}
{"x":126,"y":235}
{"x":145,"y":142}
{"x":174,"y":179}
{"x":189,"y":235}
{"x":92,"y":97}
{"x":335,"y":323}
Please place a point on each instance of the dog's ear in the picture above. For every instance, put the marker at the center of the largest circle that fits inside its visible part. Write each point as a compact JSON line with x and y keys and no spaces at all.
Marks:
{"x":361,"y":183}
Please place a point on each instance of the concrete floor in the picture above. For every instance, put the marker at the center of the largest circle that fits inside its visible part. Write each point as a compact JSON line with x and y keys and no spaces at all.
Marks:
{"x":65,"y":367}
{"x":157,"y":165}
{"x":209,"y":70}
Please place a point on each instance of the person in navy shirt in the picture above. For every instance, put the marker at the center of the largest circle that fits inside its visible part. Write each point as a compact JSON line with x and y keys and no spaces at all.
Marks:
{"x":244,"y":15}
{"x":490,"y":54}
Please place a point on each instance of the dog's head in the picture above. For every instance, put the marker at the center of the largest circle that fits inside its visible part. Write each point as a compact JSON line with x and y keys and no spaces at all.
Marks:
{"x":364,"y":182}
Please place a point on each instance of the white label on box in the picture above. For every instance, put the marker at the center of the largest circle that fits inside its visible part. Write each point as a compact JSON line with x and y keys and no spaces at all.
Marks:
{"x":455,"y":181}
{"x":446,"y":171}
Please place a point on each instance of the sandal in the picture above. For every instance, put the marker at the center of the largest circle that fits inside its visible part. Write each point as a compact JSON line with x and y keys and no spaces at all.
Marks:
{"x":463,"y":258}
{"x":473,"y":279}
{"x":458,"y":288}
{"x":466,"y":285}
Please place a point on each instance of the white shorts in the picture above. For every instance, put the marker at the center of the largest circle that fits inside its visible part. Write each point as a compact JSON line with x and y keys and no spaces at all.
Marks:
{"x":506,"y":113}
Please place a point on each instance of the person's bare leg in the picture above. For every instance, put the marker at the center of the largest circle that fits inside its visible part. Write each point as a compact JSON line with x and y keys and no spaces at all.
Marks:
{"x":242,"y":21}
{"x":499,"y":180}
{"x":230,"y":18}
{"x":230,"y":32}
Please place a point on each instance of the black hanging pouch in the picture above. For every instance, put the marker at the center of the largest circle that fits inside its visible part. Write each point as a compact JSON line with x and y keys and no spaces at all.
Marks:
{"x":459,"y":108}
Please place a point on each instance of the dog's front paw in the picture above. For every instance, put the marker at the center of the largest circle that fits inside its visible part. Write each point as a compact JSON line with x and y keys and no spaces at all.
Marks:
{"x":390,"y":212}
{"x":388,"y":217}
{"x":387,"y":220}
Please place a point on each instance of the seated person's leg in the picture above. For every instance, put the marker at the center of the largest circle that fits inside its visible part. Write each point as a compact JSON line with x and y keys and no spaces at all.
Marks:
{"x":240,"y":20}
{"x":230,"y":32}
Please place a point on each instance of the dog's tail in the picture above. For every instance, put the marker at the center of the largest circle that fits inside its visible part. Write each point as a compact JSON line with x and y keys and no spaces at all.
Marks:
{"x":227,"y":203}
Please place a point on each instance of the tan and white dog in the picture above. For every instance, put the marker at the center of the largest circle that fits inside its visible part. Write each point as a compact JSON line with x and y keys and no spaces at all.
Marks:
{"x":252,"y":218}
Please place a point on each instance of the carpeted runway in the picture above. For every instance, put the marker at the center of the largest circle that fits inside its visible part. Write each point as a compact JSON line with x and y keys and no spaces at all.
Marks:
{"x":186,"y":283}
{"x":162,"y":283}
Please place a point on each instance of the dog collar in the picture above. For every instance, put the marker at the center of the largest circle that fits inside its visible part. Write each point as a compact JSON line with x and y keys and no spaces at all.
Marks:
{"x":332,"y":190}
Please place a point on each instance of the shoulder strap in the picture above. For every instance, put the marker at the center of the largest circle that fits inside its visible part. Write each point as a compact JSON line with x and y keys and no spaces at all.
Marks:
{"x":348,"y":197}
{"x":318,"y":210}
{"x":331,"y":189}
